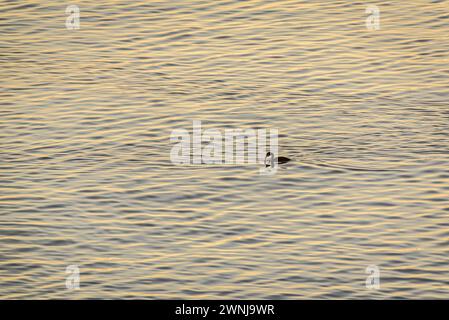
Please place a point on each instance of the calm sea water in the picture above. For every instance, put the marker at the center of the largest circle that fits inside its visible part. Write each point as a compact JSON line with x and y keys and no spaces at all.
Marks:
{"x":85,"y":170}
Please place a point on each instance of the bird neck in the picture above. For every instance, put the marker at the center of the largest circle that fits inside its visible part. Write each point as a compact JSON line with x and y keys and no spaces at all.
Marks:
{"x":271,"y":157}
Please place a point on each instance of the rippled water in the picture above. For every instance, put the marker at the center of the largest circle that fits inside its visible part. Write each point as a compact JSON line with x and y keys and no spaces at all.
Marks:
{"x":86,"y":177}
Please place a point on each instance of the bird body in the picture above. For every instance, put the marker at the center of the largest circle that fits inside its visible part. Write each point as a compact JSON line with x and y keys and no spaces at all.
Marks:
{"x":271,"y":160}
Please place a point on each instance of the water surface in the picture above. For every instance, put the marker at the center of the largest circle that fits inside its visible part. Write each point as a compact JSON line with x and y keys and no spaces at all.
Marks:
{"x":85,"y":170}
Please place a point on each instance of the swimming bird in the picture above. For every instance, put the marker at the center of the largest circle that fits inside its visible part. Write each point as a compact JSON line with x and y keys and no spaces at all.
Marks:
{"x":271,"y":159}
